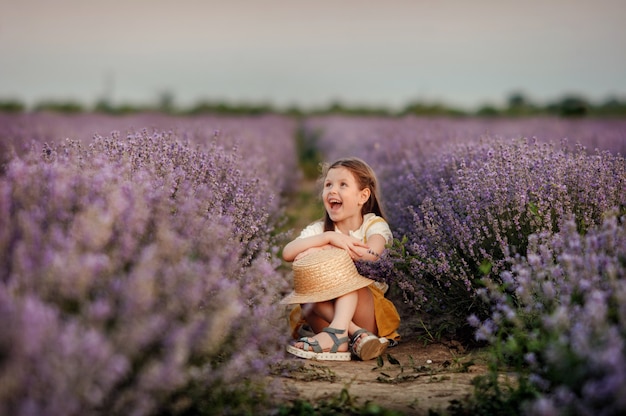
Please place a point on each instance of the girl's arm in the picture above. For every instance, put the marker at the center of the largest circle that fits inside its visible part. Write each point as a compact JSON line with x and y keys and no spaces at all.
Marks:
{"x":299,"y":245}
{"x":374,"y":248}
{"x":348,"y":243}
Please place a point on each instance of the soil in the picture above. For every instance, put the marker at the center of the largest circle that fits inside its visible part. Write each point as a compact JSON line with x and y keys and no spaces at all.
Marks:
{"x":411,"y":378}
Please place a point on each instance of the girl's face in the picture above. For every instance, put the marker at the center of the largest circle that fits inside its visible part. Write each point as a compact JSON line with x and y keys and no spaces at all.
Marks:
{"x":342,"y":197}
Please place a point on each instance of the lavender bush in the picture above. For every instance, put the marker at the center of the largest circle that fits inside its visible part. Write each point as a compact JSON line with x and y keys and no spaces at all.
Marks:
{"x":466,"y":211}
{"x":137,"y":277}
{"x":265,"y":143}
{"x":465,"y":194}
{"x":384,"y":142}
{"x":559,"y":320}
{"x":528,"y":235}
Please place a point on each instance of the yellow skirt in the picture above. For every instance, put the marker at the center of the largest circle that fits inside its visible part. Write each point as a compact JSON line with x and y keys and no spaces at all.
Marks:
{"x":387,"y":317}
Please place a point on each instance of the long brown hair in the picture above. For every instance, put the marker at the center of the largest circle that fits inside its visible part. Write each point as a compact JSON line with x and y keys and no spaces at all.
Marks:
{"x":366,"y":178}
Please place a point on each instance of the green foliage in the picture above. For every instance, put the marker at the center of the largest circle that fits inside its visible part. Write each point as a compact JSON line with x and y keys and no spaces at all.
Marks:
{"x":517,"y":105}
{"x":343,"y":404}
{"x":208,"y":107}
{"x":493,"y":397}
{"x":434,"y":109}
{"x":309,"y":154}
{"x":197,"y":400}
{"x":487,"y":111}
{"x":570,"y":106}
{"x":611,"y":107}
{"x":69,"y":106}
{"x":11,"y":106}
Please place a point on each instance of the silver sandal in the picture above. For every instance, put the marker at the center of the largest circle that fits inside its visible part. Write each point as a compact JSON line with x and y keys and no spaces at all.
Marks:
{"x":313,"y":351}
{"x":369,"y":347}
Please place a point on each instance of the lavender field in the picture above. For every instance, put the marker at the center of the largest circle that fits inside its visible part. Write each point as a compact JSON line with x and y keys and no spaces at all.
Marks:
{"x":140,"y":266}
{"x":511,"y":232}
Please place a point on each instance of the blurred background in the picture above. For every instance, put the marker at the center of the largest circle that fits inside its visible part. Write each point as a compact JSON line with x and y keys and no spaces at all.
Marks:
{"x":392,"y":56}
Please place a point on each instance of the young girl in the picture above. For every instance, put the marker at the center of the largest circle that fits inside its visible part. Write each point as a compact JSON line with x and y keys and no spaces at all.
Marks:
{"x":353,"y":221}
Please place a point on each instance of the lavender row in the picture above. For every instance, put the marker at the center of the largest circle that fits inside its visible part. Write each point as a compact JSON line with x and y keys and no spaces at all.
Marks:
{"x":520,"y":239}
{"x":385,"y":140}
{"x":468,"y":193}
{"x":396,"y":146}
{"x":559,"y":320}
{"x":266,"y":143}
{"x":137,"y":272}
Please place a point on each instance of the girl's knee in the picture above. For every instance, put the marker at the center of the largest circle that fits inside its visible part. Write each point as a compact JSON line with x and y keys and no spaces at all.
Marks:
{"x":365,"y":315}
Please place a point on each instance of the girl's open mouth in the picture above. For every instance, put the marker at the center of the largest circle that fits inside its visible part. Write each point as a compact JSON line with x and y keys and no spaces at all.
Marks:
{"x":334,"y":203}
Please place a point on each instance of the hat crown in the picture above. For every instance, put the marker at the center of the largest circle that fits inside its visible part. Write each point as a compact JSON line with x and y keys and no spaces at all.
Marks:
{"x":322,"y":269}
{"x":324,"y":275}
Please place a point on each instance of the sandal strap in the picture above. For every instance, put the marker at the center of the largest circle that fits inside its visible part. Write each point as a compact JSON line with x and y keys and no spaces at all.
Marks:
{"x":336,"y":340}
{"x":314,"y":344}
{"x":357,"y":335}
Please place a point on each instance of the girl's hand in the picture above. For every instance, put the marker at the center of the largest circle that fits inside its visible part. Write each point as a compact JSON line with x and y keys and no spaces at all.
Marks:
{"x":348,"y":243}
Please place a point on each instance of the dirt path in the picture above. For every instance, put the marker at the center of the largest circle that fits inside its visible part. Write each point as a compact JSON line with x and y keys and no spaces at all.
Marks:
{"x":412,"y":379}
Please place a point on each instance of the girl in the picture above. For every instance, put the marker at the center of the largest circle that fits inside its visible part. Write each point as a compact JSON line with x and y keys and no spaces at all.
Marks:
{"x":353,"y":221}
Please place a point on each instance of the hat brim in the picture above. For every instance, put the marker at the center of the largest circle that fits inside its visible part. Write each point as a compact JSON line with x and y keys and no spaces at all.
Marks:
{"x":334,"y":292}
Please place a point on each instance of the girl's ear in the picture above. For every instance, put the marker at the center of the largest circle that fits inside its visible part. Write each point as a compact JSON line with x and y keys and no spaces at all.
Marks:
{"x":365,"y":195}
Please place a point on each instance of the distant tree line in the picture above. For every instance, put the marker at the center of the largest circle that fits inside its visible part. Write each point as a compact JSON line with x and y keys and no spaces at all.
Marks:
{"x":517,"y":105}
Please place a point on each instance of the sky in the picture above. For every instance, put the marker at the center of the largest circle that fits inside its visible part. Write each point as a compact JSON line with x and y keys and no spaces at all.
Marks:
{"x":311,"y":53}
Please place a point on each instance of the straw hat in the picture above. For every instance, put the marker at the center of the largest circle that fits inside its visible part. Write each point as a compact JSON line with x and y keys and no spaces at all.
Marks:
{"x":324,"y":275}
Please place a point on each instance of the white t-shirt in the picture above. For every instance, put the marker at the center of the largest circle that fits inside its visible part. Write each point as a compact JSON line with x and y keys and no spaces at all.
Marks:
{"x":372,"y":224}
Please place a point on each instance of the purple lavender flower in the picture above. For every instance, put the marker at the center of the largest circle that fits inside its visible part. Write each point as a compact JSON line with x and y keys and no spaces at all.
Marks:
{"x":577,"y":346}
{"x":138,"y":270}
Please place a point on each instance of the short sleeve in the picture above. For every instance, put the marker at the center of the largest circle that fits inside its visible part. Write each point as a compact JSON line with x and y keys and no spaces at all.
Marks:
{"x":372,"y":225}
{"x":378,"y":225}
{"x":310,"y":230}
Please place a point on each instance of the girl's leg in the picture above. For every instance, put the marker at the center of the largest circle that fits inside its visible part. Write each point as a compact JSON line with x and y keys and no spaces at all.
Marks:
{"x":318,"y":315}
{"x":352,"y":311}
{"x":364,"y":316}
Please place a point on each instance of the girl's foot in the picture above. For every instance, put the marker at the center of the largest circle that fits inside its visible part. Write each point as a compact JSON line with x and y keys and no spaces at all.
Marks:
{"x":325,"y":341}
{"x":367,"y":346}
{"x":312,"y":349}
